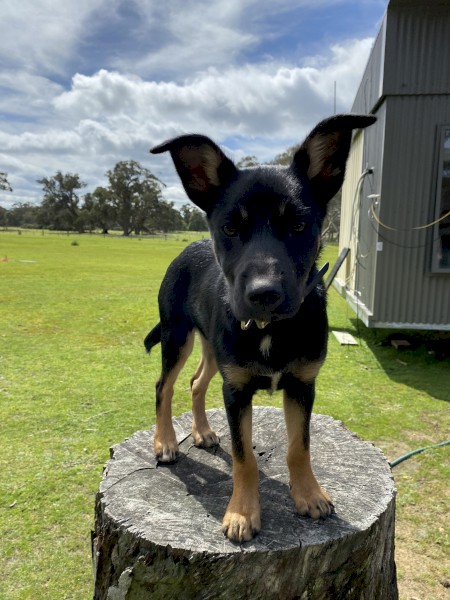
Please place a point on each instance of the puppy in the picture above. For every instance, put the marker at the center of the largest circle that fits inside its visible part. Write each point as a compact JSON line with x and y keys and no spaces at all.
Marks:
{"x":255,"y":296}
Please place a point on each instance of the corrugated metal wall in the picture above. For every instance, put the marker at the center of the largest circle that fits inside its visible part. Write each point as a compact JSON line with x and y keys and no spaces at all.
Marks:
{"x":407,"y":292}
{"x":366,"y":280}
{"x":370,"y":88}
{"x":348,"y":237}
{"x":407,"y":85}
{"x":418,"y":47}
{"x":358,"y":273}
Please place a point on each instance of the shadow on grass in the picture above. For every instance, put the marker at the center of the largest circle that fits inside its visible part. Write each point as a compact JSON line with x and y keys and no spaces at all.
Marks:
{"x":423,"y":365}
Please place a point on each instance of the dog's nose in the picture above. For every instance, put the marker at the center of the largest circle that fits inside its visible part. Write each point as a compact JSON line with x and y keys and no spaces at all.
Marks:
{"x":264,"y":294}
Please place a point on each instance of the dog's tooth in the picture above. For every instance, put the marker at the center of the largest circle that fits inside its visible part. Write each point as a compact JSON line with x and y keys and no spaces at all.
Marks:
{"x":246,"y":324}
{"x":262,"y":324}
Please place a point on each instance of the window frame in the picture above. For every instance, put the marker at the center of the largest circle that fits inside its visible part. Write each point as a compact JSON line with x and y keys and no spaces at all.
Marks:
{"x":443,"y":137}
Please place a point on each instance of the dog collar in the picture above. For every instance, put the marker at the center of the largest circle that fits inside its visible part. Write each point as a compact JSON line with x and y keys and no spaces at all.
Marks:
{"x":261,"y":324}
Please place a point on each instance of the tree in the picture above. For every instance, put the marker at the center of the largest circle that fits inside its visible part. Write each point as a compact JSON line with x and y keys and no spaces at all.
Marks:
{"x":193,"y":218}
{"x":98,"y":211}
{"x":4,"y":217}
{"x":59,"y":207}
{"x":167,"y":218}
{"x":4,"y":183}
{"x":23,"y":214}
{"x":285,"y":158}
{"x":248,"y":161}
{"x":135,"y":193}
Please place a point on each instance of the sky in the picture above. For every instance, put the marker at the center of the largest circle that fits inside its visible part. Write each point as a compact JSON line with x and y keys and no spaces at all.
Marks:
{"x":85,"y":84}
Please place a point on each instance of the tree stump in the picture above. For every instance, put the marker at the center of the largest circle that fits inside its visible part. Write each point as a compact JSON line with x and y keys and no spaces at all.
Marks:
{"x":158,"y":528}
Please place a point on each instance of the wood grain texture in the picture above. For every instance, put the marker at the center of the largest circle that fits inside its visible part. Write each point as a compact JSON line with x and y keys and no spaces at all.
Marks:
{"x":158,"y":528}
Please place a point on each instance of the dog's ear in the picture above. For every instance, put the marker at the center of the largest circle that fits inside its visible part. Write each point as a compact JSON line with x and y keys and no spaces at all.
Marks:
{"x":323,"y":155}
{"x":202,"y":166}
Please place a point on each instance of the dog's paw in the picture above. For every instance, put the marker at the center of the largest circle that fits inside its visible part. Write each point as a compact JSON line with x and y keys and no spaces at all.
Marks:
{"x":166,"y":451}
{"x":241,"y":527}
{"x":206,"y":438}
{"x":312,"y":502}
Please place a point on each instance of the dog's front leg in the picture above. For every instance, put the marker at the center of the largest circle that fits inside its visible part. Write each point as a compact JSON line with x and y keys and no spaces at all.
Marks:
{"x":242,"y":518}
{"x":309,"y":498}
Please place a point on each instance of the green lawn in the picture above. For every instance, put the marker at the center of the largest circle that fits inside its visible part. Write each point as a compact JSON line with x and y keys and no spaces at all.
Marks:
{"x":74,"y":379}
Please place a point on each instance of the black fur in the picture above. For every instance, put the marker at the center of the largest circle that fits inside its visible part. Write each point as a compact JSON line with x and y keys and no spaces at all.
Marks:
{"x":265,"y":226}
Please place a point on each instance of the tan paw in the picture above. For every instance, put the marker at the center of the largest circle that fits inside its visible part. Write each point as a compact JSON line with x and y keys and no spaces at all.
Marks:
{"x":206,"y":438}
{"x":312,"y":502}
{"x":241,"y":527}
{"x":166,"y":450}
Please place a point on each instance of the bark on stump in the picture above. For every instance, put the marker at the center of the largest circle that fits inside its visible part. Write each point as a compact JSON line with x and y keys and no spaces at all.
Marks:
{"x":157,"y":530}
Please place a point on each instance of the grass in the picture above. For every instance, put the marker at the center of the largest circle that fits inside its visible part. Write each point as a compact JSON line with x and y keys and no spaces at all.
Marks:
{"x":74,"y":380}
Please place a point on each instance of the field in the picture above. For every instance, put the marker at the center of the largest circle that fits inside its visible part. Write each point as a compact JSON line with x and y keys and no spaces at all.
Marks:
{"x":74,"y":380}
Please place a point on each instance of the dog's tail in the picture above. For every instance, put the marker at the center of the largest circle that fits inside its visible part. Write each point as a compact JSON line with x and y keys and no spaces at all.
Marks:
{"x":153,"y":338}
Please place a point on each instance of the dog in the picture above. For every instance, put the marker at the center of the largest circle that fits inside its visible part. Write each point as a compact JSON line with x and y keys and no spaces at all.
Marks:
{"x":255,"y":297}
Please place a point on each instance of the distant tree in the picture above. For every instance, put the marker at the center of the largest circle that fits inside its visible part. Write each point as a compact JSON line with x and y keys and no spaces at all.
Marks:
{"x":248,"y":161}
{"x":98,"y":211}
{"x":167,"y":218}
{"x":60,"y":205}
{"x":193,"y":218}
{"x":135,"y":193}
{"x":4,"y":217}
{"x":285,"y":158}
{"x":4,"y":183}
{"x":24,"y":214}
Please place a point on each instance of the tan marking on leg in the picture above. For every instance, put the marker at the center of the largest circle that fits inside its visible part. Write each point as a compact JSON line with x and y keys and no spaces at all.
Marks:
{"x":242,"y":518}
{"x":165,"y":442}
{"x":306,"y":371}
{"x":309,"y":498}
{"x":202,"y":433}
{"x":237,"y":377}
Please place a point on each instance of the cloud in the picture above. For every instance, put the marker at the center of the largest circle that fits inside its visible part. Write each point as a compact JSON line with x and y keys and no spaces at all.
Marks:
{"x":87,"y":83}
{"x":110,"y":116}
{"x":43,"y":34}
{"x":250,"y":100}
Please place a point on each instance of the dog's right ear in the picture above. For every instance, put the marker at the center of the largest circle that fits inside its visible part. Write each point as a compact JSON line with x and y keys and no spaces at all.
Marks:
{"x":202,"y":166}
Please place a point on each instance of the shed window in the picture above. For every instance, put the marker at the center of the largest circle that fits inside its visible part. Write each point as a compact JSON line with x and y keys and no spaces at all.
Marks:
{"x":441,"y":253}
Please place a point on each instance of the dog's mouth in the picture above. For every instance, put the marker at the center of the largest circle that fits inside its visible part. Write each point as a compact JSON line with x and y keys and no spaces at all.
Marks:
{"x":259,"y":324}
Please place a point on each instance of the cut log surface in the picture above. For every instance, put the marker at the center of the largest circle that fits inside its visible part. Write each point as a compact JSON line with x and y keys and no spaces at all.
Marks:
{"x":158,"y":528}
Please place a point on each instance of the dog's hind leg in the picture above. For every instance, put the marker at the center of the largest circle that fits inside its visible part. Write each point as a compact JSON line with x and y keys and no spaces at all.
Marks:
{"x":174,"y":356}
{"x":202,"y":433}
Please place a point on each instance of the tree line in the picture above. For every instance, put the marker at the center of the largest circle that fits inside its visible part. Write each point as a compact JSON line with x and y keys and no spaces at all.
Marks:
{"x":132,"y":202}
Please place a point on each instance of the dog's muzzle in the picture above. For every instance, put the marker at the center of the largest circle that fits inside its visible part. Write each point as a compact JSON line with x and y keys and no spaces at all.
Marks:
{"x":309,"y":288}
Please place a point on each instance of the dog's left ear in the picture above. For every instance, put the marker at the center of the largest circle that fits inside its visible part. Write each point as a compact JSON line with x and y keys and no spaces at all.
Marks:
{"x":202,"y":166}
{"x":323,"y":155}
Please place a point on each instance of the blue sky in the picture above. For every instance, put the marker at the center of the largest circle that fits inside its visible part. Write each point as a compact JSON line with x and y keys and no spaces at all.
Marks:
{"x":86,"y":83}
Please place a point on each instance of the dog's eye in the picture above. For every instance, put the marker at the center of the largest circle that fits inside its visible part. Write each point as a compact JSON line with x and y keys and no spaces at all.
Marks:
{"x":298,"y":227}
{"x":229,"y":230}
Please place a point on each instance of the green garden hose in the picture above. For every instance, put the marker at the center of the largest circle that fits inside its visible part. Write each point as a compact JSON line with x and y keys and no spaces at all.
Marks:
{"x":399,"y":460}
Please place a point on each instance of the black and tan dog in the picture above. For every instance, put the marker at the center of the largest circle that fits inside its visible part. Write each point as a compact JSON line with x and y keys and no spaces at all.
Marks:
{"x":257,"y":301}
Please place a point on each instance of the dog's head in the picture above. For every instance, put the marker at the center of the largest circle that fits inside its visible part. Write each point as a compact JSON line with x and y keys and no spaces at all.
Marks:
{"x":266,"y":221}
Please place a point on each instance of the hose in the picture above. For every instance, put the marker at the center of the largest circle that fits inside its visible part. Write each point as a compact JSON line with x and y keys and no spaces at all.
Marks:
{"x":399,"y":460}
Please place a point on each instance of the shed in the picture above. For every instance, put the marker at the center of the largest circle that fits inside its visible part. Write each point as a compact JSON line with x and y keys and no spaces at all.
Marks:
{"x":395,"y":214}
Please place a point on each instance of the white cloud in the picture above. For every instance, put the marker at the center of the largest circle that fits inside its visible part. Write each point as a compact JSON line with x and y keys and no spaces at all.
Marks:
{"x":146,"y":71}
{"x":253,"y":100}
{"x":43,"y":34}
{"x":111,"y":116}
